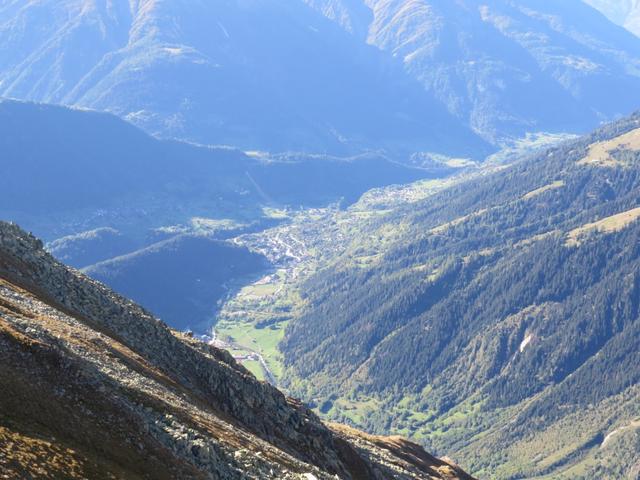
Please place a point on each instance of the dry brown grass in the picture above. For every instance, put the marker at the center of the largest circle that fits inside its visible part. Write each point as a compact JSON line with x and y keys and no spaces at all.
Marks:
{"x":611,"y":224}
{"x":600,"y":153}
{"x":445,"y":226}
{"x":24,"y":456}
{"x":541,"y":190}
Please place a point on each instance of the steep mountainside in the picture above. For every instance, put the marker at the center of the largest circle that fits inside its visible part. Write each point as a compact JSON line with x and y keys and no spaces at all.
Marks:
{"x":94,"y":387}
{"x":327,"y":75}
{"x":505,"y":67}
{"x":262,"y":75}
{"x":622,"y":12}
{"x":93,"y":246}
{"x":497,"y":319}
{"x":180,"y":279}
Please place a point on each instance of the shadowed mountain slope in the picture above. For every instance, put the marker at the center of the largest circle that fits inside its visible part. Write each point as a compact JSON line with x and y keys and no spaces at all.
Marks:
{"x":93,"y":246}
{"x":180,"y":279}
{"x":70,"y":171}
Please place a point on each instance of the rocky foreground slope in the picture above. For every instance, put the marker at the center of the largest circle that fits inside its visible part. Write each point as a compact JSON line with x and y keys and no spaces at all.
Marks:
{"x":95,"y":387}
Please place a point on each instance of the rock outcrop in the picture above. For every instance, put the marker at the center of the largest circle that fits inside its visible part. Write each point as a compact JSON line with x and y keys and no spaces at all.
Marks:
{"x":95,"y":387}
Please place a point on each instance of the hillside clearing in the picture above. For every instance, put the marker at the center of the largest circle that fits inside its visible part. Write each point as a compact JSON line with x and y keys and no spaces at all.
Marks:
{"x":611,"y":224}
{"x":541,"y":190}
{"x":600,"y":153}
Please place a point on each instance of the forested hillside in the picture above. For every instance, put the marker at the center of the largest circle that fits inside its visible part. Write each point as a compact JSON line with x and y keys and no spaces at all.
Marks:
{"x":496,"y":319}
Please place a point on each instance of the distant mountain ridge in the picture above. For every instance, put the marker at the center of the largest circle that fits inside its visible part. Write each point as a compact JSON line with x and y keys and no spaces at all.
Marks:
{"x":334,"y":76}
{"x":86,"y":248}
{"x":623,"y":12}
{"x":257,"y":75}
{"x":69,"y":171}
